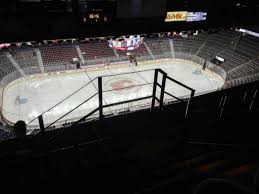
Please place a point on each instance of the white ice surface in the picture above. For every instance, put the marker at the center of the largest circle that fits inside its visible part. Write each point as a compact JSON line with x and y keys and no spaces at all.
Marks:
{"x":43,"y":93}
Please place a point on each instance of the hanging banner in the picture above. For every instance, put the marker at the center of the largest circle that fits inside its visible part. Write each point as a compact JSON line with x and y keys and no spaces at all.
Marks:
{"x":124,"y":43}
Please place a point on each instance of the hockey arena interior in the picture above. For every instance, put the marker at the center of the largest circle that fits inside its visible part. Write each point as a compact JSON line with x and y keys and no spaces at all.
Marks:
{"x":157,"y":112}
{"x":27,"y":68}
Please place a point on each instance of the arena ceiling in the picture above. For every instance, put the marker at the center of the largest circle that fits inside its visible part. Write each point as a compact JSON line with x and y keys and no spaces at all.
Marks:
{"x":48,"y":19}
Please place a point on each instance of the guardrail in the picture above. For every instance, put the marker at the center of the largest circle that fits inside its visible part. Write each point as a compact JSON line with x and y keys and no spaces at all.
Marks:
{"x":101,"y":106}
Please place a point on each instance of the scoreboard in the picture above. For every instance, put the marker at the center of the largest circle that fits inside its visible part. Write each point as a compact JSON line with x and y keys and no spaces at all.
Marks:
{"x":95,"y":17}
{"x":93,"y":11}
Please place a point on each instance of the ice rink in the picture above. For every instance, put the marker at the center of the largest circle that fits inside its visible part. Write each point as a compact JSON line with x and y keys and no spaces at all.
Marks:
{"x":28,"y":98}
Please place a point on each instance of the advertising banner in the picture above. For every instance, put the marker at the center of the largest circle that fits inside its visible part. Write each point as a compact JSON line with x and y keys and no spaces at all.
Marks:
{"x":176,"y":16}
{"x":196,"y":16}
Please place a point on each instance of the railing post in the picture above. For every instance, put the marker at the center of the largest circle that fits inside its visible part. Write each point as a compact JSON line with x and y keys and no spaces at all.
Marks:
{"x":188,"y":103}
{"x":244,"y":98}
{"x":100,"y":95}
{"x":40,"y":119}
{"x":223,"y":106}
{"x":162,"y":94}
{"x":253,"y":100}
{"x":154,"y":90}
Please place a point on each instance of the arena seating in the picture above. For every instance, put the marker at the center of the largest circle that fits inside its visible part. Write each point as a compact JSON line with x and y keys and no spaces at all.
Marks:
{"x":158,"y":45}
{"x":215,"y":44}
{"x":141,"y":50}
{"x":5,"y":135}
{"x":248,"y":45}
{"x":238,"y":60}
{"x":7,"y":68}
{"x":192,"y":43}
{"x":27,"y":59}
{"x":238,"y":51}
{"x":233,"y":59}
{"x":58,"y":58}
{"x":96,"y":50}
{"x":248,"y":69}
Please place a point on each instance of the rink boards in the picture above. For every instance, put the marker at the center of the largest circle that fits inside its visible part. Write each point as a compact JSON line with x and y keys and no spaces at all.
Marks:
{"x":28,"y":97}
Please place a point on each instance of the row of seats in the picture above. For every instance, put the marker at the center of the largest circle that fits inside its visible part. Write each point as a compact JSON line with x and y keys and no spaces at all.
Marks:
{"x":6,"y":135}
{"x":191,"y":44}
{"x":158,"y":45}
{"x":233,"y":59}
{"x":28,"y":61}
{"x":236,"y":49}
{"x":251,"y":68}
{"x":58,"y":58}
{"x":98,"y":50}
{"x":248,"y":45}
{"x":7,"y":69}
{"x":216,"y":43}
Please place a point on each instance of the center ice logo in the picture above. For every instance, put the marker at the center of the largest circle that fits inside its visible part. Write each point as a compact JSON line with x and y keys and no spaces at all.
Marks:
{"x":123,"y":85}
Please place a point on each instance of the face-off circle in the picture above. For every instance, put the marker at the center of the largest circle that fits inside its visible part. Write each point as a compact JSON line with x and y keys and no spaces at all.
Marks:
{"x":123,"y":85}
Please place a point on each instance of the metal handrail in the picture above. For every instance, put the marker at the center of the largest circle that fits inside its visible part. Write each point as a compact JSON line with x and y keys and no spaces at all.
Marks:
{"x":131,"y":72}
{"x":127,"y":87}
{"x":82,"y":88}
{"x":92,"y":112}
{"x":112,"y":104}
{"x":126,"y":101}
{"x":95,"y":110}
{"x":76,"y":123}
{"x":72,"y":110}
{"x":179,"y":83}
{"x":171,"y":95}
